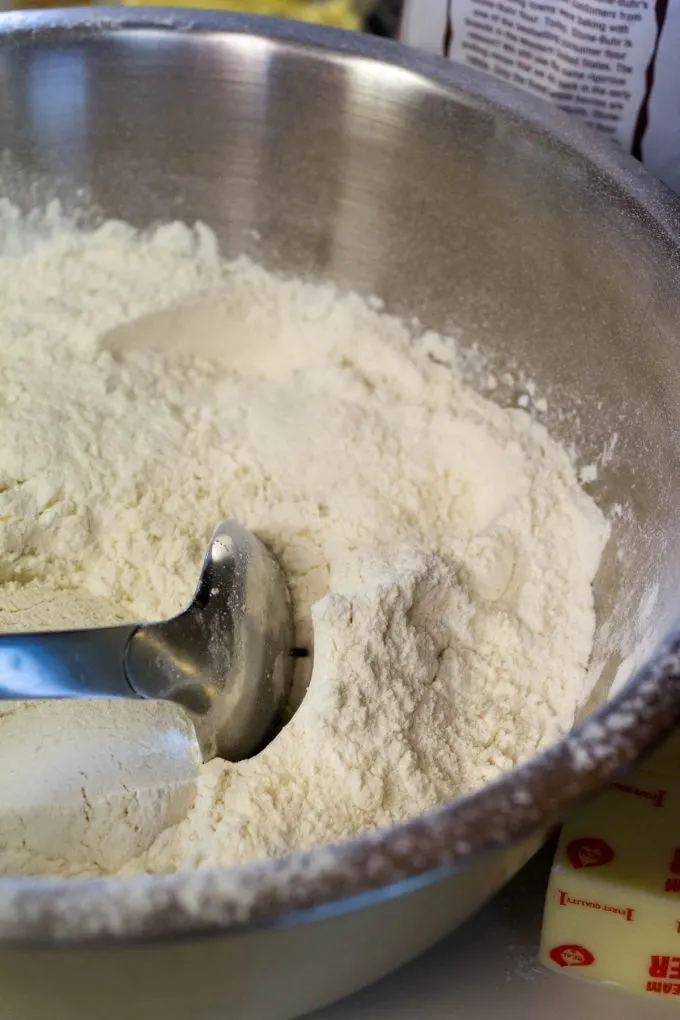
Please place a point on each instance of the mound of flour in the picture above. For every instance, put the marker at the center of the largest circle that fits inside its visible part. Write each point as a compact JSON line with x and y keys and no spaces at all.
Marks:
{"x":439,"y":551}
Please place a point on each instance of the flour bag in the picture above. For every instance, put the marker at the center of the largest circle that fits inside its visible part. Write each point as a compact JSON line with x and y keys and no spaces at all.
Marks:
{"x":613,"y":63}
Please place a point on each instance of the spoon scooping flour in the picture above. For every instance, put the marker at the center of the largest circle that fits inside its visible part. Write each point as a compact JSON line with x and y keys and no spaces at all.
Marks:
{"x":439,"y":550}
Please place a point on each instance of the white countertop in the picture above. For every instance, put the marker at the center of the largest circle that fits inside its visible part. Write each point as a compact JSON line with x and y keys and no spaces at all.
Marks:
{"x":487,"y":971}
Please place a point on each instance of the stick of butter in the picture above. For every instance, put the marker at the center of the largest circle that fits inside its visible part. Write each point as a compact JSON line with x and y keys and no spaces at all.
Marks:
{"x":612,"y":910}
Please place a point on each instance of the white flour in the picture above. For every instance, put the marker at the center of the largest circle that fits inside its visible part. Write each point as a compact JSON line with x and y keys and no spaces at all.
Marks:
{"x":439,"y":550}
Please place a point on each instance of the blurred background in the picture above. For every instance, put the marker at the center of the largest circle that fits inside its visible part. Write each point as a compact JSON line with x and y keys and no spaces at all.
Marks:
{"x":378,"y":17}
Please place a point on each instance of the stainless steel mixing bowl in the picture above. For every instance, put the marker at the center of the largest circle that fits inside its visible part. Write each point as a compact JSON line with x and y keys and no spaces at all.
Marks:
{"x":453,"y":198}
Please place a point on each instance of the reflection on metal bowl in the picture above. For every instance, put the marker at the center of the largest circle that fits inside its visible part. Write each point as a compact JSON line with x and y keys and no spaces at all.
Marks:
{"x":454,"y":199}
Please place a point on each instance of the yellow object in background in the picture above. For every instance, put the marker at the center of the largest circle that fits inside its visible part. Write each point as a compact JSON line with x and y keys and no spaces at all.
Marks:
{"x":340,"y":13}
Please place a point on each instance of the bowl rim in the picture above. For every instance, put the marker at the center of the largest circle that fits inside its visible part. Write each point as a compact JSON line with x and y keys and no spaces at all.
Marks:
{"x":330,"y":880}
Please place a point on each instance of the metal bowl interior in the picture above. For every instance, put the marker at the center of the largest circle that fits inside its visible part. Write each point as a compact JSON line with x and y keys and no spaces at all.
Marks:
{"x":456,"y":200}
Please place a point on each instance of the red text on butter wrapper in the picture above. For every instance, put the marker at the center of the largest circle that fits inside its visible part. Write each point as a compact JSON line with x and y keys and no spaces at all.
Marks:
{"x":628,"y":913}
{"x":664,"y":966}
{"x":657,"y":796}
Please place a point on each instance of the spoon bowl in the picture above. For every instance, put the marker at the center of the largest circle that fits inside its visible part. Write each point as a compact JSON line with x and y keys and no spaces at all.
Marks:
{"x":226,"y":659}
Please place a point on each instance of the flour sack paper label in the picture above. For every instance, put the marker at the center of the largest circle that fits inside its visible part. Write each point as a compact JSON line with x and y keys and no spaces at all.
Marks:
{"x":613,"y":63}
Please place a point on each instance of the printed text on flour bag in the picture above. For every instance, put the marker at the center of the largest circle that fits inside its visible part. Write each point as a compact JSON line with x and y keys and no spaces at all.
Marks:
{"x":612,"y":63}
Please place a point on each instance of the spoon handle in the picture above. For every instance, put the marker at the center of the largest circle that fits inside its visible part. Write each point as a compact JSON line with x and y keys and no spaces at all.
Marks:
{"x":65,"y":664}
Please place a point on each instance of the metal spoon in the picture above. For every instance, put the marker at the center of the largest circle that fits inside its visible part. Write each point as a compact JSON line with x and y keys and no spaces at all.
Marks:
{"x":226,"y":659}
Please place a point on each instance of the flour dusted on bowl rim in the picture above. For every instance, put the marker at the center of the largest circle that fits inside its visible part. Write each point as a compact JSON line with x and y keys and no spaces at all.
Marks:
{"x":439,"y":549}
